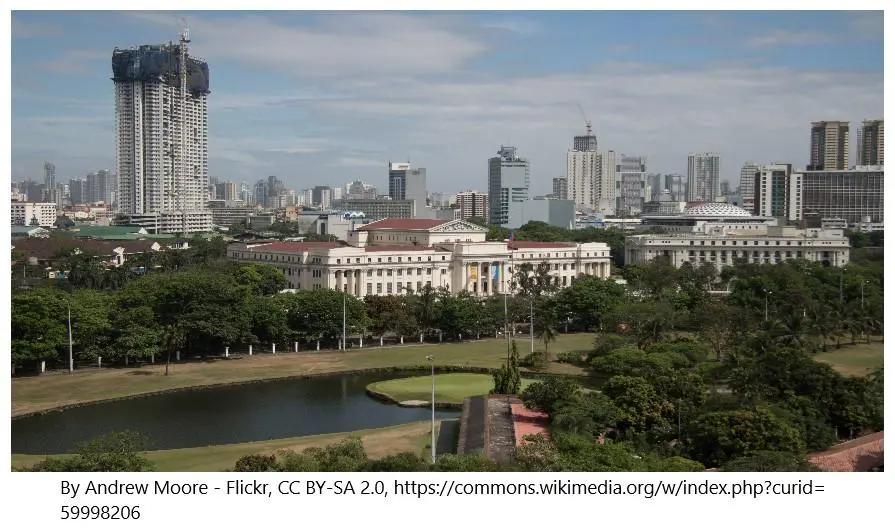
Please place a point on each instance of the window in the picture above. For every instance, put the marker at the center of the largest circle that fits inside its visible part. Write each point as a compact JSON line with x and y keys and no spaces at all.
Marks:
{"x":419,"y":272}
{"x":378,"y":288}
{"x":429,"y":271}
{"x":388,"y":272}
{"x":370,"y":273}
{"x":369,"y":288}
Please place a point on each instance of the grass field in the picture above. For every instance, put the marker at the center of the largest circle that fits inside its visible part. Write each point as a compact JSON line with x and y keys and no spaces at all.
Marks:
{"x":412,"y":437}
{"x":449,"y":388}
{"x":33,"y":394}
{"x":854,"y":359}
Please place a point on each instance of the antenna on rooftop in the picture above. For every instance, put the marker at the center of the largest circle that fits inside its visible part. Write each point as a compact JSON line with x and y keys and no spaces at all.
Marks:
{"x":184,"y":31}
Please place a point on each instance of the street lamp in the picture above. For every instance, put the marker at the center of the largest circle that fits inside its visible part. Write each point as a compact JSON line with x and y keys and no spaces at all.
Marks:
{"x":531,"y":327}
{"x":431,"y":360}
{"x":344,"y":319}
{"x":71,"y":356}
{"x":766,"y":294}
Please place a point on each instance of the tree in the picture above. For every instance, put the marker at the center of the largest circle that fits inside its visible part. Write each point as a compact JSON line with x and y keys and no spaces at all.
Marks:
{"x":769,"y":461}
{"x":117,"y":452}
{"x":508,"y":380}
{"x":641,"y":407}
{"x":591,"y":414}
{"x":261,"y":279}
{"x":715,"y":438}
{"x":646,"y":320}
{"x":545,"y":395}
{"x":38,"y":325}
{"x":588,"y":301}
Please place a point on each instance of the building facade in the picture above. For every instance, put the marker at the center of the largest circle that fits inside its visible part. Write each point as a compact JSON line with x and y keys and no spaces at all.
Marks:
{"x":829,"y":146}
{"x":397,"y":256}
{"x":407,"y":183}
{"x":555,"y":212}
{"x":776,"y":193}
{"x":854,"y":195}
{"x":871,"y":143}
{"x":380,"y":208}
{"x":41,"y":214}
{"x":161,"y":132}
{"x":561,"y":188}
{"x":703,"y":177}
{"x":630,"y":190}
{"x":677,"y":187}
{"x":583,"y":184}
{"x":472,"y":204}
{"x":509,"y":180}
{"x":721,"y":234}
{"x":747,"y":185}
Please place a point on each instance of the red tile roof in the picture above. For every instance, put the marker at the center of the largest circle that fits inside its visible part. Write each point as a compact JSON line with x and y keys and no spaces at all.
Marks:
{"x":299,"y":246}
{"x":403,"y":224}
{"x":860,"y":454}
{"x":401,"y":248}
{"x":518,"y":245}
{"x":527,"y":422}
{"x":45,"y":249}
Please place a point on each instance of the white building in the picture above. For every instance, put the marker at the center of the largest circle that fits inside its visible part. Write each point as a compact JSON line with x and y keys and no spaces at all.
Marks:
{"x":555,"y":212}
{"x":161,"y":137}
{"x":583,"y":184}
{"x":27,"y":213}
{"x":392,"y":256}
{"x":703,"y":177}
{"x":608,"y":177}
{"x":747,"y":185}
{"x":721,"y":233}
{"x":630,"y":190}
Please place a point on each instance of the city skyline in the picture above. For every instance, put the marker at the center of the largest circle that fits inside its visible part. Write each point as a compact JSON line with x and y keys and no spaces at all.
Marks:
{"x":332,"y":98}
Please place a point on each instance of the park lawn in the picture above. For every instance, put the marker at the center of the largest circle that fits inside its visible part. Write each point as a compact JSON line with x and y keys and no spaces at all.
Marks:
{"x":33,"y":394}
{"x":855,"y":359}
{"x":409,"y":437}
{"x":449,"y":388}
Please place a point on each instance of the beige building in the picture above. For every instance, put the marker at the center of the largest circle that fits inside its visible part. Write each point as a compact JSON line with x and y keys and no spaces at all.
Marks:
{"x":829,"y":146}
{"x":720,"y":233}
{"x":29,"y":213}
{"x":392,"y":256}
{"x":472,"y":204}
{"x":871,"y":143}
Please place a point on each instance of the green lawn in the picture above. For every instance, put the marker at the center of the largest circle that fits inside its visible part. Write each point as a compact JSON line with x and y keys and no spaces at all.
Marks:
{"x":855,"y":359}
{"x":32,"y":394}
{"x":410,"y":437}
{"x":449,"y":388}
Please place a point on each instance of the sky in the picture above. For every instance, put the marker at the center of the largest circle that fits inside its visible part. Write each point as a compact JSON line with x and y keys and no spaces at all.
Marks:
{"x":322,"y":98}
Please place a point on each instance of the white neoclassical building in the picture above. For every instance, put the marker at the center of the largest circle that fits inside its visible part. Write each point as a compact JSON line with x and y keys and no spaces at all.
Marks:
{"x":392,"y":256}
{"x":719,"y":233}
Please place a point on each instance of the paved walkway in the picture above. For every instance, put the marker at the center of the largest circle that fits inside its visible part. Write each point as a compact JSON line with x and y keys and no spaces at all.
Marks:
{"x":501,"y":439}
{"x":527,"y":422}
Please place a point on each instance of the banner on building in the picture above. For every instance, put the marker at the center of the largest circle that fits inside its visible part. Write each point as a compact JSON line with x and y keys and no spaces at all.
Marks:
{"x":474,"y":272}
{"x":495,"y":274}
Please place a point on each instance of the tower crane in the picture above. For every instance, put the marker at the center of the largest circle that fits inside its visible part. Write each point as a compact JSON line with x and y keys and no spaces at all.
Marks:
{"x":587,"y":123}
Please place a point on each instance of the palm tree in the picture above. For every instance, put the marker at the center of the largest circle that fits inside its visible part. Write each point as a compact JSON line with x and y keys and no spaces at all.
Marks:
{"x":546,"y":333}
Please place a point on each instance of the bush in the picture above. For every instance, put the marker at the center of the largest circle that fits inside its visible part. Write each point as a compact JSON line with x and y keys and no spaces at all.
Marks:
{"x":570,"y":357}
{"x":535,"y":361}
{"x":256,"y":464}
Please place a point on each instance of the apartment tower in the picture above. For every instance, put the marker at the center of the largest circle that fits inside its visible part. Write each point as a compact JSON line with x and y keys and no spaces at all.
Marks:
{"x":583,"y":185}
{"x":870,"y":143}
{"x":703,"y":177}
{"x":509,"y":179}
{"x":829,"y":146}
{"x":161,"y":137}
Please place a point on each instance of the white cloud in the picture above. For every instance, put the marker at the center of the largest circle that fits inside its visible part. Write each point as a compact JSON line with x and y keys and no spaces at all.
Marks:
{"x":23,"y":29}
{"x":75,"y":61}
{"x":516,"y":25}
{"x":782,"y":37}
{"x":349,"y":161}
{"x":346,"y":44}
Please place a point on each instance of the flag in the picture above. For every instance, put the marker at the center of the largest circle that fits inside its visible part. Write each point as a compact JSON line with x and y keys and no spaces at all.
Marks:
{"x":495,"y":275}
{"x":512,"y":236}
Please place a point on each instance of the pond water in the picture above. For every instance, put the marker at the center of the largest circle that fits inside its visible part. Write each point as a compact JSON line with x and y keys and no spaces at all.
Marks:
{"x":223,"y":415}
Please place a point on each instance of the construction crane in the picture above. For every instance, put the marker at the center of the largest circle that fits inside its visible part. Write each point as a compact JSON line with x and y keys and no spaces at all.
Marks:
{"x":587,"y":123}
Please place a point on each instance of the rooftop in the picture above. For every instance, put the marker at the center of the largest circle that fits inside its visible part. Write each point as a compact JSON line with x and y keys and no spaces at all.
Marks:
{"x":716,"y":209}
{"x":300,"y":246}
{"x":521,"y":245}
{"x":860,"y":454}
{"x":403,"y":224}
{"x":402,"y":248}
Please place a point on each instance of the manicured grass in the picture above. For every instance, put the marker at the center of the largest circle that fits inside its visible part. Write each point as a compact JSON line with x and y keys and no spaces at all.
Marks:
{"x":410,"y":437}
{"x":449,"y":388}
{"x":32,"y":394}
{"x":855,"y":359}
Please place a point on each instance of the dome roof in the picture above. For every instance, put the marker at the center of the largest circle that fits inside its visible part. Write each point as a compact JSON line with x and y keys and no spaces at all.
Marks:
{"x":716,"y":209}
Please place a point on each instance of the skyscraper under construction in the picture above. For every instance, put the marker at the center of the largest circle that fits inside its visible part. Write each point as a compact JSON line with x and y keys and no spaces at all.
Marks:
{"x":161,"y":137}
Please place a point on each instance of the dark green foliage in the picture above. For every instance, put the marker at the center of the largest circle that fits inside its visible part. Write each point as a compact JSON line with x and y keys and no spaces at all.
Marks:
{"x":769,"y":461}
{"x":117,"y":452}
{"x":508,"y":380}
{"x":546,"y":395}
{"x":256,"y":463}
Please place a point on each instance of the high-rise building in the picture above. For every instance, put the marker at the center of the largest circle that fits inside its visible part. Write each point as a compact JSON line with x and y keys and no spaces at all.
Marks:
{"x":161,"y":133}
{"x":509,"y":180}
{"x":747,"y":185}
{"x":676,"y":185}
{"x":407,"y":183}
{"x":853,"y":195}
{"x":50,"y":192}
{"x":561,"y":188}
{"x":870,"y":143}
{"x":774,"y":193}
{"x":631,"y":187}
{"x":245,"y":193}
{"x":829,"y":146}
{"x":77,"y":189}
{"x":472,"y":204}
{"x":608,"y":181}
{"x":101,"y":186}
{"x":583,"y":184}
{"x":703,"y":177}
{"x":322,"y":196}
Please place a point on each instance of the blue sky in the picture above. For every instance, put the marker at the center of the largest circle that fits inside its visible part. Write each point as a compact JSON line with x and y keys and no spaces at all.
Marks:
{"x":321,"y":98}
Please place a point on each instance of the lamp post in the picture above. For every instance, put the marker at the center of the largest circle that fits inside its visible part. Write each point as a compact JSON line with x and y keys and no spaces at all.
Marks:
{"x":531,"y":327}
{"x":863,"y":283}
{"x":766,"y":294}
{"x":344,"y":320}
{"x":71,"y":356}
{"x":431,"y":360}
